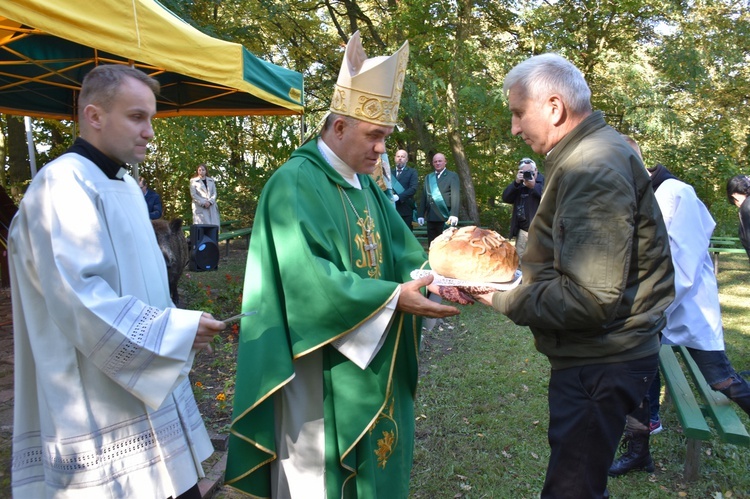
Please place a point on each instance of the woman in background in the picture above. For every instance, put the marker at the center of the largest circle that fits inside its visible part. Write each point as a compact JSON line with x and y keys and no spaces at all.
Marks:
{"x":203,"y":192}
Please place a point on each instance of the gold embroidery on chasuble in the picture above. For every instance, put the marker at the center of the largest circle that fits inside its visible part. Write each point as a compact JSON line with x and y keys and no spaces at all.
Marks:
{"x":386,"y":425}
{"x":368,"y":244}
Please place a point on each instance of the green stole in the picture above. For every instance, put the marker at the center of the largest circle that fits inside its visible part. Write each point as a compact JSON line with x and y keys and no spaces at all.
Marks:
{"x":437,"y":196}
{"x":396,"y":184}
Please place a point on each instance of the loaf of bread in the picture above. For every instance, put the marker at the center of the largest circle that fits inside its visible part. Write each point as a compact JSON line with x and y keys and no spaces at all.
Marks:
{"x":473,"y":254}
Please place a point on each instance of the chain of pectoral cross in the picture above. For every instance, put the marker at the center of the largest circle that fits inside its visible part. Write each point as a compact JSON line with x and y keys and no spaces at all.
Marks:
{"x":367,"y":225}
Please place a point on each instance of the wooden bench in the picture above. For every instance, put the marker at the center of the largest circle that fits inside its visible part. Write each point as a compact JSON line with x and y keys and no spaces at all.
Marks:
{"x":228,"y":224}
{"x":234,"y":234}
{"x":694,"y":415}
{"x":723,"y":244}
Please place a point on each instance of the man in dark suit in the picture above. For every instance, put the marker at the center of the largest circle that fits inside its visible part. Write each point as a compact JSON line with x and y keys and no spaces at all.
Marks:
{"x":440,"y":199}
{"x":404,"y":187}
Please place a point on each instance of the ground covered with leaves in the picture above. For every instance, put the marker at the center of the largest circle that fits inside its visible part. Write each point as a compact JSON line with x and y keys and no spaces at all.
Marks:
{"x":218,"y":292}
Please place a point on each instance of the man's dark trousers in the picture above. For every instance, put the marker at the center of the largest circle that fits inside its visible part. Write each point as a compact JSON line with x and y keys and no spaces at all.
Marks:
{"x":587,"y":406}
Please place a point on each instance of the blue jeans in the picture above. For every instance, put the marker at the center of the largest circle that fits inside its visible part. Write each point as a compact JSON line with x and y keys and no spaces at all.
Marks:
{"x":587,"y":408}
{"x":716,"y":368}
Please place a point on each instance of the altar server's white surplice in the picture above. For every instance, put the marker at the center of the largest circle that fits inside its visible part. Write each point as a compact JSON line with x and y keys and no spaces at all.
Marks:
{"x":103,"y":406}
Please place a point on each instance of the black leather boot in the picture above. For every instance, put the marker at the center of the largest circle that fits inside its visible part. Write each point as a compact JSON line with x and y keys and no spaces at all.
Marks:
{"x":636,"y":457}
{"x":739,"y":392}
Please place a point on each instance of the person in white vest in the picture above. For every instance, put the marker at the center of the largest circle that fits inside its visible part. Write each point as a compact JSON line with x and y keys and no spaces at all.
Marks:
{"x":693,"y":318}
{"x":103,"y":405}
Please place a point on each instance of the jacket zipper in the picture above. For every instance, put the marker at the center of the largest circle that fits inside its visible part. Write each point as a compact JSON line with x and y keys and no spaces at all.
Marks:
{"x":558,"y":339}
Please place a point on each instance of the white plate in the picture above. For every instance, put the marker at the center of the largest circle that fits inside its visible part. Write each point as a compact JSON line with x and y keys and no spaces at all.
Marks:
{"x":448,"y":281}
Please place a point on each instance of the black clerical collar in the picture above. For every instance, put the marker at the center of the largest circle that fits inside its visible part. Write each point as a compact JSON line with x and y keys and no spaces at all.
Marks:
{"x":110,"y":168}
{"x":659,"y":174}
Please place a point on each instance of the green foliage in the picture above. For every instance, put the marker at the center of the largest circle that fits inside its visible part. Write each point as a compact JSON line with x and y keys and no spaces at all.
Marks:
{"x":221,"y":296}
{"x":674,"y":75}
{"x":240,"y":154}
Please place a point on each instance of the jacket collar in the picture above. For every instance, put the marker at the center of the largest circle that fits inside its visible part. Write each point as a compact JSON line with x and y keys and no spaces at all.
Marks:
{"x":592,"y":122}
{"x":658,"y":175}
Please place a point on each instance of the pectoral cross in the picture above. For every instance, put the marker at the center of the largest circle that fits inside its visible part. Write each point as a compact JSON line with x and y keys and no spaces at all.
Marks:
{"x":370,"y":247}
{"x":368,"y":243}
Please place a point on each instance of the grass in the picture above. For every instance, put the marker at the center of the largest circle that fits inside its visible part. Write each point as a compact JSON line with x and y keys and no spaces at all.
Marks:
{"x":481,"y":406}
{"x":482,"y":413}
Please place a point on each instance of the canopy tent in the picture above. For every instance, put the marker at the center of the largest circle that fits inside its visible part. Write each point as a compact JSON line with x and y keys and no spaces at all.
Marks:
{"x":47,"y":47}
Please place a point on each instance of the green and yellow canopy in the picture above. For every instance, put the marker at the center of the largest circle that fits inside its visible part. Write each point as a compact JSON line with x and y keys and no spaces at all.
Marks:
{"x":48,"y":46}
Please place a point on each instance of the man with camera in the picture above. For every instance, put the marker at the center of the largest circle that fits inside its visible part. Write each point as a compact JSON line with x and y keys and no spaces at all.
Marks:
{"x":524,"y":193}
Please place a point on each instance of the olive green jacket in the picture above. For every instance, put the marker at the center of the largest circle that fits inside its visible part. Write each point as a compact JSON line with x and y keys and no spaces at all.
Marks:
{"x":597,"y":272}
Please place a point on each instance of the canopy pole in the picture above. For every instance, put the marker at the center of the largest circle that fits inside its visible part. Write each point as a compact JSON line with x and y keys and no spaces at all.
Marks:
{"x":30,"y":143}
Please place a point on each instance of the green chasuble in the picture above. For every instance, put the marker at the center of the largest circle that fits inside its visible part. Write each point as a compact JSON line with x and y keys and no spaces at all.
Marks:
{"x":309,"y":276}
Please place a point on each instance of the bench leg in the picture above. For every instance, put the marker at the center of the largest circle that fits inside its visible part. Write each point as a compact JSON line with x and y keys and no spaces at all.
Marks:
{"x":692,"y":459}
{"x":716,"y":264}
{"x":226,"y":247}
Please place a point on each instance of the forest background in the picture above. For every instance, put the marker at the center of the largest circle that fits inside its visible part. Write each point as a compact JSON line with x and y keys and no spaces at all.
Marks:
{"x":675,"y":75}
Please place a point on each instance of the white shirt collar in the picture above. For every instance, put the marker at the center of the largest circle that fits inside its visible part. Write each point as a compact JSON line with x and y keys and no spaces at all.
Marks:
{"x":338,"y":164}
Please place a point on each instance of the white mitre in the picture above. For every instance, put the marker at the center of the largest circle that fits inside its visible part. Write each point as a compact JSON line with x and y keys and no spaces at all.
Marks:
{"x":370,"y":89}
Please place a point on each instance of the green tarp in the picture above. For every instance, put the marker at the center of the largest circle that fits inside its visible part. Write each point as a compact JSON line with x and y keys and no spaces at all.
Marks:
{"x":47,"y":46}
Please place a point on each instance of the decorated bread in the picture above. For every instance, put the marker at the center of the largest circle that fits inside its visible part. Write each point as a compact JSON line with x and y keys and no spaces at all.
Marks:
{"x":473,"y":254}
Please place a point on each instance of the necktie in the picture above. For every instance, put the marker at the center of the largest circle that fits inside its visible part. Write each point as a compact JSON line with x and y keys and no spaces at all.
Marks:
{"x":398,"y":172}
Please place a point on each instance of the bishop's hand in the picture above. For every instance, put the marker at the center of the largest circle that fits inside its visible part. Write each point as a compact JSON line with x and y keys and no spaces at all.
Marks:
{"x":412,"y":301}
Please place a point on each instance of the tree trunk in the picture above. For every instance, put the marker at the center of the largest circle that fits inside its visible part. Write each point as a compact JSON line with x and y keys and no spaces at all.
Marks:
{"x":468,"y":195}
{"x":18,"y":152}
{"x":424,"y":138}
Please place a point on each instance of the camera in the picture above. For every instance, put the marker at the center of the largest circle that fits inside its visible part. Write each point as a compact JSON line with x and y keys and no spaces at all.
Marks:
{"x":528,"y":175}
